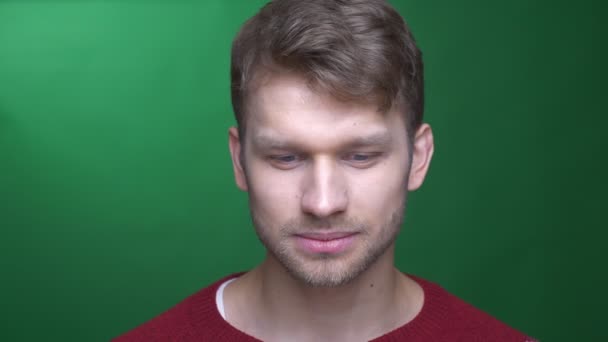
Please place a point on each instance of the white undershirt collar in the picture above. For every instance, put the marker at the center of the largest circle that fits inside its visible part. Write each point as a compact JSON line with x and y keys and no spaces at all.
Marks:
{"x":219,"y":297}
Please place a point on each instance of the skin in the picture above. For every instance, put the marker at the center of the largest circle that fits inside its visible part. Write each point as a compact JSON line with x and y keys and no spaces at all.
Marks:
{"x":315,"y":165}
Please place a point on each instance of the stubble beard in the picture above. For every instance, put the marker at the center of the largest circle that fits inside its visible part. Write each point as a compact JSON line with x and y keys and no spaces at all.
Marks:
{"x":327,"y":270}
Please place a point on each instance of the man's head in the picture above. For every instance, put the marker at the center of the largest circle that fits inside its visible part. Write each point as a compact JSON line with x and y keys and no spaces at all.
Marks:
{"x":357,"y":50}
{"x":328,"y":99}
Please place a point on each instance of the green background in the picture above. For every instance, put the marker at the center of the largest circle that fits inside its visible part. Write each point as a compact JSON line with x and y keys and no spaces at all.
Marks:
{"x":116,"y":191}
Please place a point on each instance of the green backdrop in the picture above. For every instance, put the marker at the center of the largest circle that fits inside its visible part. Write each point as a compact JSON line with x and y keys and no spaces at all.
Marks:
{"x":116,"y":191}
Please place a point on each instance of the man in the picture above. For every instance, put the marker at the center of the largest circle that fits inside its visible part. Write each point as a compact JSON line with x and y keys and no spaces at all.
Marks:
{"x":328,"y":97}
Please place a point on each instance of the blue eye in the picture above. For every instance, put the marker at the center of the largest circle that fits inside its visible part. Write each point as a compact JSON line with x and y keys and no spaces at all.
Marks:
{"x":360,"y":157}
{"x":362,"y":160}
{"x":286,"y":159}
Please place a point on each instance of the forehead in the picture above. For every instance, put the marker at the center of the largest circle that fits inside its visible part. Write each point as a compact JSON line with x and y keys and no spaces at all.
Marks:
{"x":284,"y":107}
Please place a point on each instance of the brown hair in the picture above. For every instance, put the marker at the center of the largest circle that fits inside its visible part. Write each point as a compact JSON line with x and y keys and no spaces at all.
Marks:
{"x":353,"y":49}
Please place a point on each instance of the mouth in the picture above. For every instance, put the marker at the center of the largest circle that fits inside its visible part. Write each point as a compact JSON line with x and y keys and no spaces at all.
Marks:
{"x":325,"y":243}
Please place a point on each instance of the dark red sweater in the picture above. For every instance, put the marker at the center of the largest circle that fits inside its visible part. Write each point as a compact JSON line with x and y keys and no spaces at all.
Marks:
{"x":443,"y":318}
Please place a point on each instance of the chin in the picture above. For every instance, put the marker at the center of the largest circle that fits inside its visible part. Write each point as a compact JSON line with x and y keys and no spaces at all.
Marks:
{"x":324,"y":270}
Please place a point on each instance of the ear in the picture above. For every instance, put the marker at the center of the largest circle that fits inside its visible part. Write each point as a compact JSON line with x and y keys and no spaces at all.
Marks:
{"x":422,"y":153}
{"x":234,"y":143}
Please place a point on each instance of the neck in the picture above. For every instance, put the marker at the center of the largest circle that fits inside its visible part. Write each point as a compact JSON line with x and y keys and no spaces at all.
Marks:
{"x":377,"y":301}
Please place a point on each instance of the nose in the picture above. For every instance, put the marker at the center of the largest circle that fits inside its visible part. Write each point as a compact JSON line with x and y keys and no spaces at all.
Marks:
{"x":324,"y":190}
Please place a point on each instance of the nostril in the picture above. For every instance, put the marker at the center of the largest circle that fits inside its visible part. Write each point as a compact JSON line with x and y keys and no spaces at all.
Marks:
{"x":323,"y":191}
{"x":323,"y":205}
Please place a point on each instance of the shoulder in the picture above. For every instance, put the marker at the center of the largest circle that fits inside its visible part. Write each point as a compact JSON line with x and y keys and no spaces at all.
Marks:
{"x":459,"y":321}
{"x":185,"y":321}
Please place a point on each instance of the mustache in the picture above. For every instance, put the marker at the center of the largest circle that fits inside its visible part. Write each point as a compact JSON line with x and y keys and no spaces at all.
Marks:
{"x":330,"y":224}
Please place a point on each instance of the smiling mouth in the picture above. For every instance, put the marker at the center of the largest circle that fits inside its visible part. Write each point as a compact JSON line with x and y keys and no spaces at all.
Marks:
{"x":325,"y":243}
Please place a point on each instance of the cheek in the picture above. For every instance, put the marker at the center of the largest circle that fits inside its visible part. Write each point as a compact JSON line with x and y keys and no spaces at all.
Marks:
{"x":380,"y":193}
{"x":273,"y":196}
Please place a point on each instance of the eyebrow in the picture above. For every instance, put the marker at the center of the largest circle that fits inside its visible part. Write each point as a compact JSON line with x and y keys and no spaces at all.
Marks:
{"x":269,"y":142}
{"x":376,"y":139}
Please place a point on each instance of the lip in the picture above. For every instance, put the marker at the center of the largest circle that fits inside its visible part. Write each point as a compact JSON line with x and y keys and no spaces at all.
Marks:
{"x":325,"y":243}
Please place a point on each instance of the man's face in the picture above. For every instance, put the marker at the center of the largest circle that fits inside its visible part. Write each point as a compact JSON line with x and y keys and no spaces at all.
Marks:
{"x":327,"y":180}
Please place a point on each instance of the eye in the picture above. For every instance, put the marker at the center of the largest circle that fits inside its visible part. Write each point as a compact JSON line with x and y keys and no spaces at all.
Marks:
{"x":362,"y":159}
{"x":284,"y":161}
